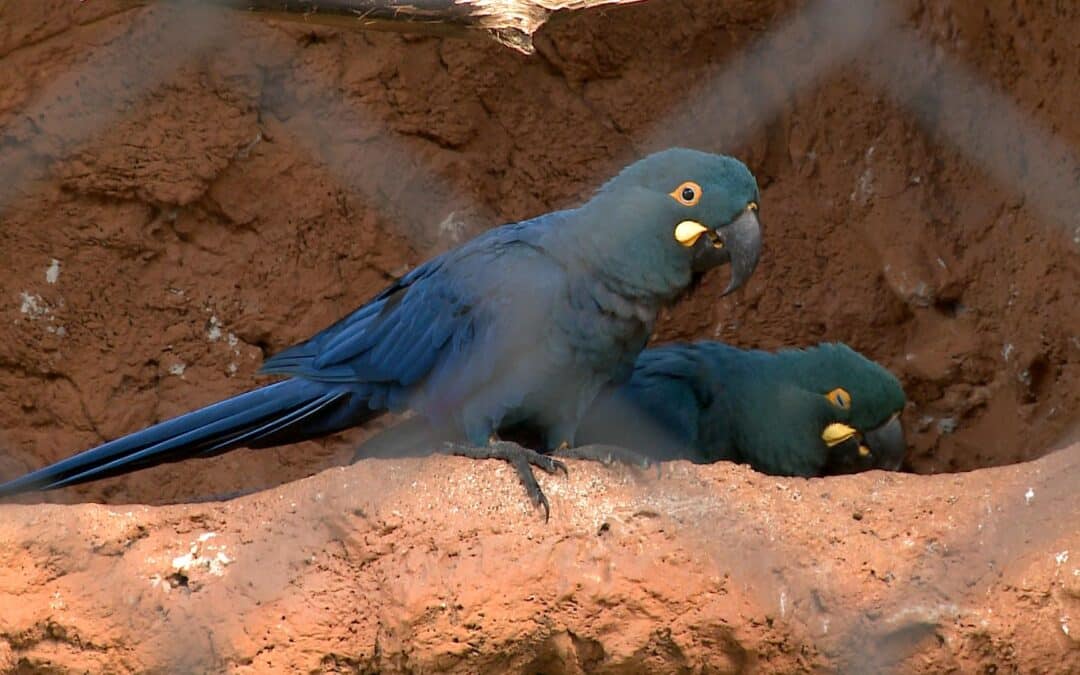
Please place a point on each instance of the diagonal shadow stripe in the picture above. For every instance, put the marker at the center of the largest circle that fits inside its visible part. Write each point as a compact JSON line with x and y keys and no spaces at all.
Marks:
{"x":86,"y":100}
{"x":954,"y":105}
{"x":761,"y":81}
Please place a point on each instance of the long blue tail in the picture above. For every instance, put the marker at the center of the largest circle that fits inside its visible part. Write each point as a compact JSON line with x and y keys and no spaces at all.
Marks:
{"x":284,"y":412}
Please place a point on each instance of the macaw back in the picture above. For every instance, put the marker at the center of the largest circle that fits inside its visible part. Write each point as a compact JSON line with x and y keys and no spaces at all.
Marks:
{"x":672,"y":407}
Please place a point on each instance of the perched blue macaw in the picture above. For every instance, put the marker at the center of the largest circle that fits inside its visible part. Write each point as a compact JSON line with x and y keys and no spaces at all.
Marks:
{"x":525,"y":323}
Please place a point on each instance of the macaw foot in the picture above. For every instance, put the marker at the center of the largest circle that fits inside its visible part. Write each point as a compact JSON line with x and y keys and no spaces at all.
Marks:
{"x":521,"y":458}
{"x":607,"y":455}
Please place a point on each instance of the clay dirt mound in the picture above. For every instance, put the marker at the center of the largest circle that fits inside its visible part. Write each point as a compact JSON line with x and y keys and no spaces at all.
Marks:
{"x":442,"y":565}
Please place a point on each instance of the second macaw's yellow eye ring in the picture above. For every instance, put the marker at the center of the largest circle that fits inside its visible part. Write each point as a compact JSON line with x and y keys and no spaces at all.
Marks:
{"x":840,"y":398}
{"x":687,"y":194}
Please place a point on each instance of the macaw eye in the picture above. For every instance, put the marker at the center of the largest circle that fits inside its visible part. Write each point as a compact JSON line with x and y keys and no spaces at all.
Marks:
{"x":687,"y":194}
{"x":752,"y":206}
{"x":839,"y":398}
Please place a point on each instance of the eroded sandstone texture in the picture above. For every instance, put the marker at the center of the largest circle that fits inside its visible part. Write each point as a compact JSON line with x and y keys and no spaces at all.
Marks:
{"x":441,"y":565}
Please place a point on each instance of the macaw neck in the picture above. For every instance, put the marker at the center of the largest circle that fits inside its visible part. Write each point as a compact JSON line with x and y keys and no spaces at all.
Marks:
{"x":805,"y":365}
{"x":602,"y":241}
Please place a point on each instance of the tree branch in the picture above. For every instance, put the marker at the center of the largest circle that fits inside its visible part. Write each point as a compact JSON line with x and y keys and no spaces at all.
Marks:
{"x":510,"y":22}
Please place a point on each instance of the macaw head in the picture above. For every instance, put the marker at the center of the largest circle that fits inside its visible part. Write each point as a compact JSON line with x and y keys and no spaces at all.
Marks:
{"x":822,"y":410}
{"x":676,"y":214}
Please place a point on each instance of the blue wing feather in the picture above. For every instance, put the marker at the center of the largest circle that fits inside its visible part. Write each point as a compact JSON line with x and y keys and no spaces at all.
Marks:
{"x":428,"y":335}
{"x":422,"y":326}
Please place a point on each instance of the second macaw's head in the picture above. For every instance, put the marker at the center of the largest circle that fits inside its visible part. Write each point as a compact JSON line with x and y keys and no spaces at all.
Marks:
{"x":674,"y":215}
{"x":822,"y":410}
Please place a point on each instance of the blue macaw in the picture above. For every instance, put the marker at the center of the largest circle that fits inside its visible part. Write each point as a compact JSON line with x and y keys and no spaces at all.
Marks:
{"x":796,"y":412}
{"x":525,"y":323}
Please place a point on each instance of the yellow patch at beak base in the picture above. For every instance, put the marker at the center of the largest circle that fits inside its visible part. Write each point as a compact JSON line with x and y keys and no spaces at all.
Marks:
{"x":688,"y":231}
{"x":837,"y":433}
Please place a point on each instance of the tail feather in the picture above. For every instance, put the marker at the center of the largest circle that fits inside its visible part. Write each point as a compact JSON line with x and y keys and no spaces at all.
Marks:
{"x":279,"y":424}
{"x":283,"y":412}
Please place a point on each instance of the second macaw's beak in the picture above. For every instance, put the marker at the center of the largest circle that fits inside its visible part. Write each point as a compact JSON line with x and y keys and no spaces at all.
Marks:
{"x":883,"y":447}
{"x":886,"y":444}
{"x":737,"y":243}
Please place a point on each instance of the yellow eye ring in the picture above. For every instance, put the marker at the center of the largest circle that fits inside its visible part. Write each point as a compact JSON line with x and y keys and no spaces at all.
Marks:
{"x":840,"y":398}
{"x":752,"y":206}
{"x":687,"y":194}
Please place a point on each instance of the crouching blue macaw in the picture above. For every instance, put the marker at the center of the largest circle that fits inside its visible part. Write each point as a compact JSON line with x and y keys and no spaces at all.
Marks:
{"x":796,"y":412}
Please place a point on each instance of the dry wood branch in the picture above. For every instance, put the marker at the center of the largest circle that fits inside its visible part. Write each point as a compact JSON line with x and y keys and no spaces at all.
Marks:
{"x":511,"y":22}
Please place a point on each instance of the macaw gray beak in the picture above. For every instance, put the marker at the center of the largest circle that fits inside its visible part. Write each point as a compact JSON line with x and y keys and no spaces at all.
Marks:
{"x":850,"y":451}
{"x":886,"y":444}
{"x":742,"y":240}
{"x":737,"y":243}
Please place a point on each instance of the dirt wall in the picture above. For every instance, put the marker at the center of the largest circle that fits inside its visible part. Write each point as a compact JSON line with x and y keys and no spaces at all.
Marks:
{"x":440,"y":565}
{"x":265,"y":183}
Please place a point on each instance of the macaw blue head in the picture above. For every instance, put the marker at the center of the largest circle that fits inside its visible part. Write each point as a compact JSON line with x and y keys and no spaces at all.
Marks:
{"x":679,"y":213}
{"x":822,"y":410}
